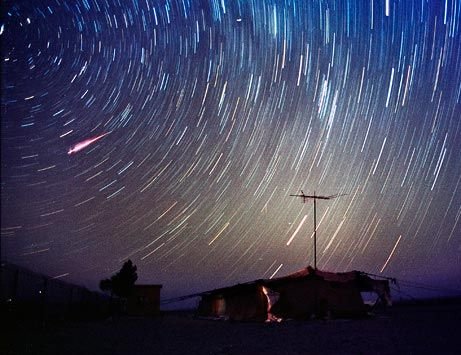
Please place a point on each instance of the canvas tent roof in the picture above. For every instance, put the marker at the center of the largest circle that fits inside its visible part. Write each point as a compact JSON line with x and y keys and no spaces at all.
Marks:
{"x":328,"y":276}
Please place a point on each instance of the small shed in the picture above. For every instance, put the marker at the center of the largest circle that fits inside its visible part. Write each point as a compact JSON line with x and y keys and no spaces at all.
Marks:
{"x":144,"y":300}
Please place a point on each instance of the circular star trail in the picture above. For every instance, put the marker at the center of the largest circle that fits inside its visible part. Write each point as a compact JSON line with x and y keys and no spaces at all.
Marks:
{"x":173,"y":132}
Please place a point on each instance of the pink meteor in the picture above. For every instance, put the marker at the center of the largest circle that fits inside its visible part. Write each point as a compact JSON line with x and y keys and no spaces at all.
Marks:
{"x":82,"y":145}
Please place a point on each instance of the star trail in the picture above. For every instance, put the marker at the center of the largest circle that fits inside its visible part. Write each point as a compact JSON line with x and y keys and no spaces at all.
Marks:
{"x":218,"y":110}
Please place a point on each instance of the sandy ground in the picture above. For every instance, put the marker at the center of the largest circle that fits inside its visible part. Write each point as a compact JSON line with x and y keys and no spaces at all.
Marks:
{"x":433,"y":329}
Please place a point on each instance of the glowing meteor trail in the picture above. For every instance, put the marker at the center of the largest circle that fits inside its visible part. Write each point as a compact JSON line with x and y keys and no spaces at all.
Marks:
{"x":82,"y":145}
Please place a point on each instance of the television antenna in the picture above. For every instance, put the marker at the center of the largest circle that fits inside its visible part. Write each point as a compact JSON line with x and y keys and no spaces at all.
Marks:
{"x":315,"y":198}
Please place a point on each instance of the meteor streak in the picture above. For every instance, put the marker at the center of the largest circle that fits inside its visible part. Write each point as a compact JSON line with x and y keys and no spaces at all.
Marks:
{"x":82,"y":145}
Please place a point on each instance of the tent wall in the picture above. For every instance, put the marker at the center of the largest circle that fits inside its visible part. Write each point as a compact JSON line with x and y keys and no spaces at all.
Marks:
{"x":236,"y":304}
{"x":302,"y":299}
{"x":250,"y":305}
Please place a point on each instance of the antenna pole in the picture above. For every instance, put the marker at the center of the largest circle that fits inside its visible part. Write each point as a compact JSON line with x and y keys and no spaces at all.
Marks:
{"x":315,"y":232}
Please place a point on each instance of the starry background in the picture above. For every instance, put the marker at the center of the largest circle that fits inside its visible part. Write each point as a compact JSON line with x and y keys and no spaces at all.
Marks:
{"x":215,"y":112}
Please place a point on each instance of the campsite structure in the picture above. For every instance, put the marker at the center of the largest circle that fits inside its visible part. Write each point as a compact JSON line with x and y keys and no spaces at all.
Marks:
{"x":308,"y":293}
{"x":304,"y":294}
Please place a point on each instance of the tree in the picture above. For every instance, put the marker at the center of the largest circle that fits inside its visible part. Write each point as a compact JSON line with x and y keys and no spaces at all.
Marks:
{"x":121,"y":284}
{"x":105,"y":285}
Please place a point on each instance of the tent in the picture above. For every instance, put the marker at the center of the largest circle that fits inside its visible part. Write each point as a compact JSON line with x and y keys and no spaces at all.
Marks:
{"x":300,"y":295}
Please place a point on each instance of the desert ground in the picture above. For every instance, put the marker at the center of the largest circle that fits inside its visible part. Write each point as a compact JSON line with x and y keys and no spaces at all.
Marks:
{"x":415,"y":329}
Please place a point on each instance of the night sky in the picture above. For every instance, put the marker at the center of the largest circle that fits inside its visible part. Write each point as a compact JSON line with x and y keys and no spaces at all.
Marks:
{"x":198,"y":119}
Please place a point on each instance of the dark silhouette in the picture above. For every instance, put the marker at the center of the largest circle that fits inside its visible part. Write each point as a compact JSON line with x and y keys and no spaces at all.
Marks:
{"x":121,"y":284}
